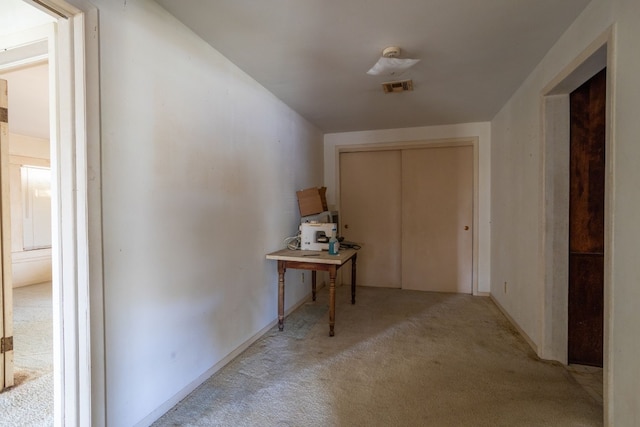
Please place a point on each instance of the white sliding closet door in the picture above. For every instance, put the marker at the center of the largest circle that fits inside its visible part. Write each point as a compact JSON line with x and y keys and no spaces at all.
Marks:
{"x":437,"y":219}
{"x":412,"y":211}
{"x":370,"y":213}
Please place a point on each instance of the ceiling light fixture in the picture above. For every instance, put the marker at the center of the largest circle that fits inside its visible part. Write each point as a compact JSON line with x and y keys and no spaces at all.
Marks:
{"x":389,"y":64}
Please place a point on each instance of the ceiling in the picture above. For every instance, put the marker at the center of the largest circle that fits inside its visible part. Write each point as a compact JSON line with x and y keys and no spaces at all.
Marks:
{"x":24,"y":65}
{"x":16,"y":16}
{"x":314,"y":54}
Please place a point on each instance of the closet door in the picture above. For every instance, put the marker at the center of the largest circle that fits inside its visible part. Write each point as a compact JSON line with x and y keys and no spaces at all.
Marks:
{"x":437,"y":215}
{"x":370,"y":206}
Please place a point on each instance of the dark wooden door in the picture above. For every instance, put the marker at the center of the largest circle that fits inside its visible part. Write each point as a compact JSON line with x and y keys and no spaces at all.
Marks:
{"x":586,"y":222}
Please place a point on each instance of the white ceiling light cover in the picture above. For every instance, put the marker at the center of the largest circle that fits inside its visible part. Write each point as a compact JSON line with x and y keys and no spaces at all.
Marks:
{"x":391,"y":66}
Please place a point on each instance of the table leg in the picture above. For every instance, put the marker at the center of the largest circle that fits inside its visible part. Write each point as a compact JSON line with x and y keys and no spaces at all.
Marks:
{"x":313,"y":284}
{"x":281,"y":270}
{"x":332,"y":299}
{"x":353,"y":279}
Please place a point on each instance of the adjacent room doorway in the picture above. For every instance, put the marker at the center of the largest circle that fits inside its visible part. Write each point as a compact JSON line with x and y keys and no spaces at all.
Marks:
{"x":72,"y":40}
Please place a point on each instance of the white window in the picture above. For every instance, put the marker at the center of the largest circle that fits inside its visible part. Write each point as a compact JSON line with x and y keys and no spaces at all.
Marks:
{"x":36,"y":207}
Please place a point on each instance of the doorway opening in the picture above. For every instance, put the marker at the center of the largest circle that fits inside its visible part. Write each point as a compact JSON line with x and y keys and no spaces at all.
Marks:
{"x":554,"y":202}
{"x":30,"y":271}
{"x":72,"y":40}
{"x":27,"y":304}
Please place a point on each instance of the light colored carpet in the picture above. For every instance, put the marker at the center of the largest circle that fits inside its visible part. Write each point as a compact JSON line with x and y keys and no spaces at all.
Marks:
{"x":30,"y":401}
{"x":398,"y":358}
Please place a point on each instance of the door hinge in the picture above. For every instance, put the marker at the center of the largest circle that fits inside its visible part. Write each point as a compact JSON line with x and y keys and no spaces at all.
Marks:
{"x":6,"y":344}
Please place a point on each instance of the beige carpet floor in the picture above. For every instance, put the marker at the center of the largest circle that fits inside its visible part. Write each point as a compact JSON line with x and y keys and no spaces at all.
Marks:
{"x":398,"y":358}
{"x":30,"y":401}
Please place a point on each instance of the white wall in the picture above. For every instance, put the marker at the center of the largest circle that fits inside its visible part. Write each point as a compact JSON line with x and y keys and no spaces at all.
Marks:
{"x":200,"y":165}
{"x":516,"y":183}
{"x":516,"y":192}
{"x":480,"y":130}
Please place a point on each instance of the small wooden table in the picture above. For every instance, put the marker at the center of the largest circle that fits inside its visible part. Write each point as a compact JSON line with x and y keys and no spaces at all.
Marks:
{"x":314,"y":261}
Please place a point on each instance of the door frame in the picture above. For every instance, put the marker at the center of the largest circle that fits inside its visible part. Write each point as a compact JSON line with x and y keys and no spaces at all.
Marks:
{"x":427,"y":143}
{"x":554,"y":201}
{"x":79,"y":356}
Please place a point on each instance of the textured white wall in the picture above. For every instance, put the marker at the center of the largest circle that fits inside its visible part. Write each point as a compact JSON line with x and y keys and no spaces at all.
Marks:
{"x":200,"y":165}
{"x":516,"y":178}
{"x":480,"y":130}
{"x":516,"y":217}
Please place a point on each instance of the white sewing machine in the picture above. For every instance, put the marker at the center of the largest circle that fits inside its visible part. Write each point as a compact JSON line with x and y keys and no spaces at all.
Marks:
{"x":314,"y":236}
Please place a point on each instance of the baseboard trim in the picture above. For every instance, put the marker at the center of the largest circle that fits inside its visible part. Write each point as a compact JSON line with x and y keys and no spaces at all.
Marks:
{"x":522,"y":333}
{"x":166,"y":407}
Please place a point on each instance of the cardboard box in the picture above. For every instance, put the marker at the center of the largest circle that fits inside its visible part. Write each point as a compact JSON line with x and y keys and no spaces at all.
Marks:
{"x":312,"y":200}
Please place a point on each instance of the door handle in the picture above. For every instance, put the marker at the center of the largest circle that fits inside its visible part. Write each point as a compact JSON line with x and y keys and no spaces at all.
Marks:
{"x":466,"y":227}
